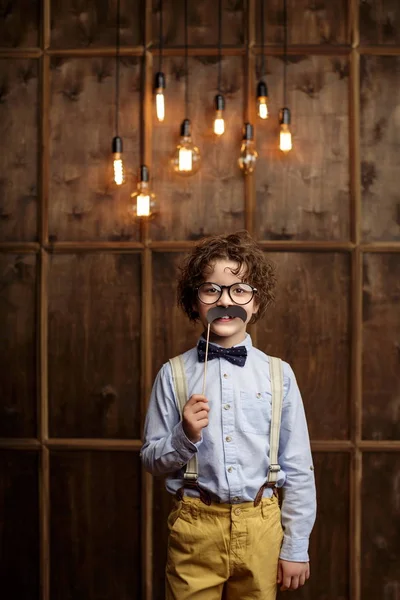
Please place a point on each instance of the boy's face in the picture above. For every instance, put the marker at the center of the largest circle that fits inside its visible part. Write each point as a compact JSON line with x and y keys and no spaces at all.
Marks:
{"x":228,"y":331}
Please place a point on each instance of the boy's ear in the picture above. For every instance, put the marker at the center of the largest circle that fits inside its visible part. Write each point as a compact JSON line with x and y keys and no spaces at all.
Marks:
{"x":256,"y":306}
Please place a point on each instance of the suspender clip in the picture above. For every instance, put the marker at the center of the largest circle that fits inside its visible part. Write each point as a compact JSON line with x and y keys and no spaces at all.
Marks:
{"x":193,"y":477}
{"x":274,"y":468}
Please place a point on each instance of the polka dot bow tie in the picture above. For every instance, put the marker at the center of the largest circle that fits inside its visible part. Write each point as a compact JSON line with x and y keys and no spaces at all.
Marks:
{"x":237,"y":355}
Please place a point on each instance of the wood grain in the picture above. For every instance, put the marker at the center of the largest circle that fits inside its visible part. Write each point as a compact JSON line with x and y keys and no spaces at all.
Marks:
{"x":19,"y":540}
{"x":304,"y":195}
{"x":380,"y":576}
{"x":19,"y":23}
{"x":211,"y":201}
{"x":380,"y":22}
{"x":17,"y":349}
{"x":94,"y":528}
{"x":309,"y":328}
{"x":324,"y":22}
{"x":18,"y":149}
{"x":92,"y":23}
{"x":379,"y":141}
{"x":83,"y":203}
{"x":381,"y":347}
{"x":94,"y":333}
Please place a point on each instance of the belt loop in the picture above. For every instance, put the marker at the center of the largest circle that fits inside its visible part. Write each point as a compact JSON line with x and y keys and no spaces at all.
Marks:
{"x":194,"y":510}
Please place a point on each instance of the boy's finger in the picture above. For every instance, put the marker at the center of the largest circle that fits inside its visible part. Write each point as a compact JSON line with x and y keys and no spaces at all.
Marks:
{"x":302,"y":579}
{"x":286,"y":581}
{"x":295,"y":582}
{"x":308,"y":571}
{"x":200,"y":406}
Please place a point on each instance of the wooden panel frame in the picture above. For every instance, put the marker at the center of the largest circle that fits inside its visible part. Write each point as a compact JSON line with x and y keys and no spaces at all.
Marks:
{"x":355,"y":445}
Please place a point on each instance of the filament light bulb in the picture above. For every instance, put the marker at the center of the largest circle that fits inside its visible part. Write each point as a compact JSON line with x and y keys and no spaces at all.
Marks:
{"x":219,"y":123}
{"x":143,"y":200}
{"x":160,"y":100}
{"x":262,"y":100}
{"x":248,"y":153}
{"x":285,"y":136}
{"x":186,"y":158}
{"x":118,"y":165}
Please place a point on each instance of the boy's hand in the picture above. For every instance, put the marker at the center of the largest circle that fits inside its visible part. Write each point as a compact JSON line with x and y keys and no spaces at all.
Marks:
{"x":292,"y":575}
{"x":195,"y":417}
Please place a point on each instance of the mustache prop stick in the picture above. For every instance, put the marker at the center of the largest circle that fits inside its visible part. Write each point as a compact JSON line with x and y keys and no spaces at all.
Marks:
{"x":217,"y":313}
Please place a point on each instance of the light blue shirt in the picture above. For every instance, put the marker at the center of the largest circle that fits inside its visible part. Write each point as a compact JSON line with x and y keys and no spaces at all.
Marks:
{"x":233,"y":453}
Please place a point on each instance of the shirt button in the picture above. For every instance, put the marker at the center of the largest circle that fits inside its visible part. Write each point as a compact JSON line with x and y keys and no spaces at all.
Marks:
{"x":258,"y":395}
{"x":227,"y":406}
{"x":230,"y":469}
{"x":237,"y":511}
{"x":236,"y":499}
{"x":228,"y":438}
{"x":225,"y":376}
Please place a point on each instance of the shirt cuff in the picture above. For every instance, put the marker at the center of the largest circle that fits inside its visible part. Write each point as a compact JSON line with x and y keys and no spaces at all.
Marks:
{"x":185,"y":448}
{"x":294,"y":550}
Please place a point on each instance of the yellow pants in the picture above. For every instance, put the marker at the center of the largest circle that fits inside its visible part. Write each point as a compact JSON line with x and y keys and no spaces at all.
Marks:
{"x":227,"y":551}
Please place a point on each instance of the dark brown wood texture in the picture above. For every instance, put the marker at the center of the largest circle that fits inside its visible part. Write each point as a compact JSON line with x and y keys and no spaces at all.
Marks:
{"x":92,"y":23}
{"x":84,"y":205}
{"x":309,"y":328}
{"x":379,"y":22}
{"x":17,"y":348}
{"x":18,"y":149}
{"x":380,"y":574}
{"x":296,"y":198}
{"x":95,"y":531}
{"x":94,"y":333}
{"x":19,"y":510}
{"x":381,"y":347}
{"x":211,"y":201}
{"x":324,"y":22}
{"x":19,"y":23}
{"x":380,"y":131}
{"x":202,"y":23}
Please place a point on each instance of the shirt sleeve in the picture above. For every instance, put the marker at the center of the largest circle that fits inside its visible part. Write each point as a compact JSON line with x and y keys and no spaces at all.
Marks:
{"x":166,"y":448}
{"x":299,"y":496}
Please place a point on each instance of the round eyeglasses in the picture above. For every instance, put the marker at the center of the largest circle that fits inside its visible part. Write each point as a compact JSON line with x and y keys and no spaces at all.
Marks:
{"x":239,"y":293}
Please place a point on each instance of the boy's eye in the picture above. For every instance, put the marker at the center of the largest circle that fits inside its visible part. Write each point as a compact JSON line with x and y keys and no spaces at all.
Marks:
{"x":210,"y":289}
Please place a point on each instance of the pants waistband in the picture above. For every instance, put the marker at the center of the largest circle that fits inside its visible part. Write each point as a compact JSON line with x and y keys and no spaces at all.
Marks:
{"x":246,"y":509}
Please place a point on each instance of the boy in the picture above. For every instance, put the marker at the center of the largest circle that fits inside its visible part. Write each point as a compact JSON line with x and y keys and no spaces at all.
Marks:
{"x":228,"y":537}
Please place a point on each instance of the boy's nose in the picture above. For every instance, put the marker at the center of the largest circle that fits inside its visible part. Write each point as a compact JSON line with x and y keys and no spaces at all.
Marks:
{"x":225,"y":299}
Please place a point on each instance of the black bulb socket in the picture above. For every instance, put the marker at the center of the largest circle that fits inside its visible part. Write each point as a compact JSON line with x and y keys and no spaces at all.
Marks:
{"x":262,"y":90}
{"x":219,"y":102}
{"x":117,"y":145}
{"x":159,"y":81}
{"x":284,"y":116}
{"x":144,"y":175}
{"x":185,"y":128}
{"x":248,"y":131}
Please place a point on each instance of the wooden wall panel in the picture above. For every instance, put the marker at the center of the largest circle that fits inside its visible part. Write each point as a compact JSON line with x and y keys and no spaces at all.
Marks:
{"x":83,"y":203}
{"x":19,"y":23}
{"x":94,"y":333}
{"x":172,"y":331}
{"x":380,"y":145}
{"x":324,"y":22}
{"x":19,"y":539}
{"x":162,"y":504}
{"x":211,"y":201}
{"x":91,"y":23}
{"x":381,"y":347}
{"x":309,"y":328}
{"x":18,"y":149}
{"x":380,"y":22}
{"x":17,"y":348}
{"x":95,"y":525}
{"x":305,"y":194}
{"x":380,"y":549}
{"x":202,"y":23}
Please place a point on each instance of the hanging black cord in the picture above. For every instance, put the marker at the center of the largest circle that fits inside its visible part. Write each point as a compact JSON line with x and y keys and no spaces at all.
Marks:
{"x":262,"y":42}
{"x":284,"y":49}
{"x":186,"y":62}
{"x":117,"y":44}
{"x":219,"y":45}
{"x":160,"y":38}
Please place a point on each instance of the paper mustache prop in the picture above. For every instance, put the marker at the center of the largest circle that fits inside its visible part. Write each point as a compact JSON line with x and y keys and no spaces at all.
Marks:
{"x":217,"y":313}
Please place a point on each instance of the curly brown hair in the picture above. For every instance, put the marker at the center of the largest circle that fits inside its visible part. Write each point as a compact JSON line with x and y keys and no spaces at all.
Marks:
{"x":239,"y":247}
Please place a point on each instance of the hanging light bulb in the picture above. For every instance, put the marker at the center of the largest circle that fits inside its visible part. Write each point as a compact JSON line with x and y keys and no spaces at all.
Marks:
{"x":285,"y":138}
{"x":186,"y":158}
{"x":219,"y":123}
{"x":248,"y":153}
{"x":143,"y":200}
{"x":160,"y":103}
{"x":118,"y":165}
{"x":262,"y":100}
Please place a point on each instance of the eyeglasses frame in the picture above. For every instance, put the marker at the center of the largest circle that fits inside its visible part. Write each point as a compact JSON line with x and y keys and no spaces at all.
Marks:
{"x":226,"y":287}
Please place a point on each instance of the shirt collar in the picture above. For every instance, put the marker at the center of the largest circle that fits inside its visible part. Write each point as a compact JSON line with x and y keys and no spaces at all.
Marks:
{"x":246,"y":342}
